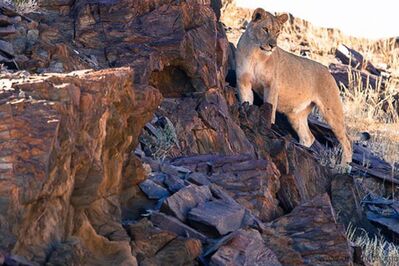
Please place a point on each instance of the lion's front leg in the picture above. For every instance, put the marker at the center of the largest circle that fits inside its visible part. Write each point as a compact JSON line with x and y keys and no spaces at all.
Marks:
{"x":270,"y":95}
{"x":245,"y":92}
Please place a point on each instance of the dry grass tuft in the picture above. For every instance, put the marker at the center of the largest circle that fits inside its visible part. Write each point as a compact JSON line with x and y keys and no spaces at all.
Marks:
{"x":331,"y":157}
{"x":375,"y":111}
{"x":159,"y":140}
{"x":376,"y":251}
{"x":23,"y":6}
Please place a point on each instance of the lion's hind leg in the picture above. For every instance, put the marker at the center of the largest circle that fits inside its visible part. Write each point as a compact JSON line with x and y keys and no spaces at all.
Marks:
{"x":332,"y":111}
{"x":299,"y":122}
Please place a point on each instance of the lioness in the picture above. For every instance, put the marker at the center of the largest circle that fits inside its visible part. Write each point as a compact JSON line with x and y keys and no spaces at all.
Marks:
{"x":292,"y":84}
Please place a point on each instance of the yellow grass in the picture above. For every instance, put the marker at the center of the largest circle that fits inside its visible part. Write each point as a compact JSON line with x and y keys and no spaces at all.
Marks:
{"x":322,"y":43}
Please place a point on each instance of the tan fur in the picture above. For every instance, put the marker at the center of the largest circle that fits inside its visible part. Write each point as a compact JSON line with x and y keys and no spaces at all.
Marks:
{"x":292,"y":84}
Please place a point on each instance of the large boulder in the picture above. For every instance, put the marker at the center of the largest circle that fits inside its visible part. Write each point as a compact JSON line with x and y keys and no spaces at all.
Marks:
{"x":153,"y":246}
{"x":309,"y":235}
{"x":347,"y":194}
{"x":302,"y":176}
{"x":245,"y":247}
{"x":63,"y":142}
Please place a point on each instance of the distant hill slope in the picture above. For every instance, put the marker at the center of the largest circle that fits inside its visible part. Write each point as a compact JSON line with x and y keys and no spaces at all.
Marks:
{"x":301,"y":37}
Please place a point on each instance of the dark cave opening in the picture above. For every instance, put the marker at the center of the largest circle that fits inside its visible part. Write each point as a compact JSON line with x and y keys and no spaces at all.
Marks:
{"x":172,"y":82}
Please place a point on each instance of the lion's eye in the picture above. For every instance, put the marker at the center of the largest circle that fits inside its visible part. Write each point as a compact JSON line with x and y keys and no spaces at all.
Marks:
{"x":266,"y":30}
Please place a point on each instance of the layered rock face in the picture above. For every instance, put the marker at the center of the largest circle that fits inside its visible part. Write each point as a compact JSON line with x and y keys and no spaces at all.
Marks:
{"x":63,"y":142}
{"x":178,"y":47}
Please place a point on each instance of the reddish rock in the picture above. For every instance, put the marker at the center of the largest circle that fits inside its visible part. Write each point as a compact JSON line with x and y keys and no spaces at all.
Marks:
{"x":147,"y":240}
{"x":309,"y":235}
{"x":178,"y":47}
{"x":70,"y":252}
{"x":172,"y":224}
{"x":63,"y":140}
{"x":346,"y":196}
{"x":179,"y":251}
{"x":204,"y":125}
{"x":216,"y":217}
{"x":153,"y":246}
{"x":256,"y":123}
{"x":30,"y":46}
{"x":302,"y":176}
{"x":252,"y":183}
{"x":180,"y":203}
{"x":246,"y":247}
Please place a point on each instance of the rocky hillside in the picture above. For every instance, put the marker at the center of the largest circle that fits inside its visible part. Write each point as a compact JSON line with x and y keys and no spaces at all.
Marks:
{"x":148,"y":159}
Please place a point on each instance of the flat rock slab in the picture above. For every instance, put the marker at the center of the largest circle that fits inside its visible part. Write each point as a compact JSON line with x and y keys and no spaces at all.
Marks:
{"x":6,"y":48}
{"x":174,"y":183}
{"x":198,"y":179}
{"x":217,"y":217}
{"x":158,"y":177}
{"x":8,"y":30}
{"x":153,"y":190}
{"x":169,"y":223}
{"x":180,"y":203}
{"x":392,"y":224}
{"x":383,"y":212}
{"x":5,"y":20}
{"x":245,"y":248}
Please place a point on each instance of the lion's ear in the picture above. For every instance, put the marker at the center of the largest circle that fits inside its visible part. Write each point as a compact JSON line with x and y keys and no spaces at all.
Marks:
{"x":282,"y":18}
{"x":259,"y":14}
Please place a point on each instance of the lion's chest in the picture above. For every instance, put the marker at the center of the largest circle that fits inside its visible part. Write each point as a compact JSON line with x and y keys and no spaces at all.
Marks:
{"x":262,"y":77}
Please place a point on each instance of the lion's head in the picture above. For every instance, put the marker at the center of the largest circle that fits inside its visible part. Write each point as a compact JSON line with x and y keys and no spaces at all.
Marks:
{"x":265,"y":28}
